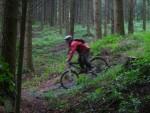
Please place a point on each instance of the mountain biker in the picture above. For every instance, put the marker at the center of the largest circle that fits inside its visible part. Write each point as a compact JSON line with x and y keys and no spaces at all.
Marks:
{"x":83,"y":50}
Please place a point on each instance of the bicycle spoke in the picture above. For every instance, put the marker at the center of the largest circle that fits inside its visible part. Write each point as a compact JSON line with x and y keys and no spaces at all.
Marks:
{"x":68,"y":79}
{"x":99,"y":65}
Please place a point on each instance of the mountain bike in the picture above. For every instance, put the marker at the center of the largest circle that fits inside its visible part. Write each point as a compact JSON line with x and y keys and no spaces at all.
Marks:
{"x":70,"y":77}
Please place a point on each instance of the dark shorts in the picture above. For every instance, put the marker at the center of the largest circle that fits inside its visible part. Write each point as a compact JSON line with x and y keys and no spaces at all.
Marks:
{"x":84,"y":60}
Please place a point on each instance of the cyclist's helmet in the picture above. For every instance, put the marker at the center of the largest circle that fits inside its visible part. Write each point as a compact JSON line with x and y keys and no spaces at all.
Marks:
{"x":68,"y":37}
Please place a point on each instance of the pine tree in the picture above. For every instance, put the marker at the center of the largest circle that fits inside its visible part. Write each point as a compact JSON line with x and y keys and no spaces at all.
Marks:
{"x":9,"y":31}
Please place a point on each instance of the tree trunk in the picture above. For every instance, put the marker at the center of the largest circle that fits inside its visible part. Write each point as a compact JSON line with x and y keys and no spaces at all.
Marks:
{"x":97,"y":20}
{"x":21,"y":54}
{"x":1,"y":13}
{"x":125,"y":10}
{"x":52,"y":11}
{"x":28,"y":63}
{"x":144,"y":15}
{"x":88,"y":18}
{"x":148,"y":10}
{"x":72,"y":17}
{"x":131,"y":16}
{"x":9,"y":32}
{"x":106,"y":18}
{"x":119,"y":17}
{"x":67,"y":20}
{"x":113,"y":17}
{"x":60,"y":15}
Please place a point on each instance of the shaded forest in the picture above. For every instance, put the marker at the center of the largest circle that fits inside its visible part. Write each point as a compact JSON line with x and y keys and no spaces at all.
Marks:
{"x":33,"y":53}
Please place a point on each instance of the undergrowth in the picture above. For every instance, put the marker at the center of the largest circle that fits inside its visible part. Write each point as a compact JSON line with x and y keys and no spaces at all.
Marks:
{"x":122,"y":89}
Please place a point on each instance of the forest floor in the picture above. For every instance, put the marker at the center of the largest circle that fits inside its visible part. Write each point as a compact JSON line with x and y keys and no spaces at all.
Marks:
{"x":117,"y":90}
{"x":34,"y":102}
{"x":32,"y":99}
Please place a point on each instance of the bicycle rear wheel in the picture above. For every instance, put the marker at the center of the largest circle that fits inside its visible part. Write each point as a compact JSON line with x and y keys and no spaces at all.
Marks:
{"x":69,"y":79}
{"x":99,"y":64}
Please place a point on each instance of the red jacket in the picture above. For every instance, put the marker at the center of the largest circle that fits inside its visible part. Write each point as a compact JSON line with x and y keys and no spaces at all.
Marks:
{"x":77,"y":46}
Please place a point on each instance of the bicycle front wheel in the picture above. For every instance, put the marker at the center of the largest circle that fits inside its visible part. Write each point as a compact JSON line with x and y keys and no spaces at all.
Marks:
{"x":69,"y":79}
{"x":99,"y":64}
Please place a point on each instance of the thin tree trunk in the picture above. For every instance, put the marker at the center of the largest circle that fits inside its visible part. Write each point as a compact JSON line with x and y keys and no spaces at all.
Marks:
{"x":119,"y":17}
{"x":52,"y":11}
{"x":72,"y":17}
{"x":106,"y":18}
{"x":97,"y":20}
{"x":21,"y":54}
{"x":60,"y":16}
{"x":88,"y":21}
{"x":1,"y":13}
{"x":144,"y":15}
{"x":112,"y":17}
{"x":29,"y":61}
{"x":67,"y":20}
{"x":148,"y":10}
{"x":131,"y":16}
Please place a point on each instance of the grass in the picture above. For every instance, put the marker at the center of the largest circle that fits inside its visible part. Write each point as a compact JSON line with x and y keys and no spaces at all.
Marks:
{"x":114,"y":86}
{"x":47,"y":40}
{"x":110,"y":42}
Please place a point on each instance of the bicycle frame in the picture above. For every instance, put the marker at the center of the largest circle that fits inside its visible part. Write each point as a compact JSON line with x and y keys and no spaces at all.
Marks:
{"x":73,"y":66}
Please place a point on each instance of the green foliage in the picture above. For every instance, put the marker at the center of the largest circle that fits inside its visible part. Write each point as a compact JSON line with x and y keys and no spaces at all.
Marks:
{"x":54,"y":101}
{"x":110,"y":42}
{"x":128,"y":44}
{"x":47,"y":38}
{"x":7,"y":85}
{"x":144,"y":48}
{"x":115,"y":86}
{"x":83,"y":80}
{"x":95,"y":95}
{"x":32,"y":84}
{"x":46,"y":50}
{"x":130,"y":105}
{"x":119,"y":85}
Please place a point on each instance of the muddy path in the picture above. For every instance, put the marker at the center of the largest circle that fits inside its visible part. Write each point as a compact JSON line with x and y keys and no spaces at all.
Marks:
{"x":34,"y":102}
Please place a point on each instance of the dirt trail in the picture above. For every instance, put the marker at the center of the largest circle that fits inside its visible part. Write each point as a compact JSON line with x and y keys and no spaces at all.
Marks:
{"x":33,"y":102}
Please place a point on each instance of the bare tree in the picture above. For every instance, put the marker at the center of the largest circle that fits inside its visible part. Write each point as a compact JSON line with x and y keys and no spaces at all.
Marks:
{"x":119,"y":17}
{"x":66,"y":18}
{"x":113,"y":16}
{"x":144,"y":15}
{"x":72,"y":17}
{"x":88,"y":16}
{"x":1,"y":13}
{"x":60,"y":17}
{"x":131,"y":16}
{"x":9,"y":33}
{"x":21,"y":54}
{"x":28,"y":62}
{"x":106,"y":17}
{"x":97,"y":18}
